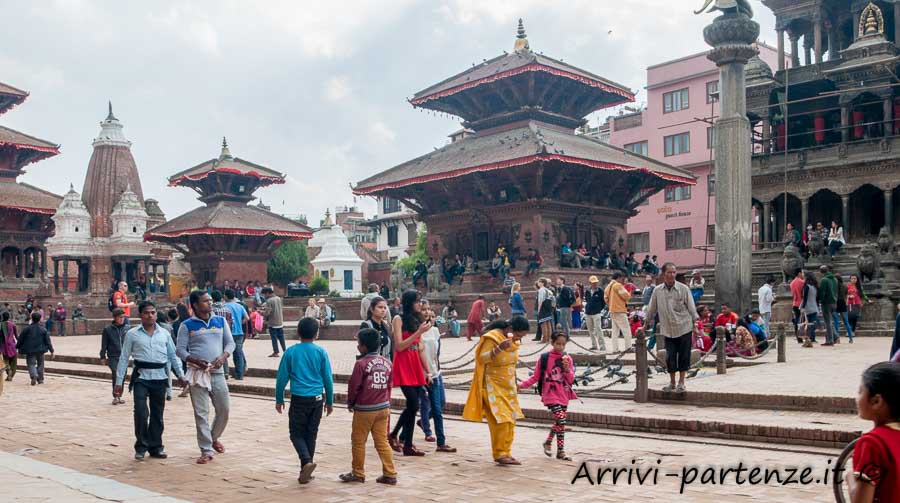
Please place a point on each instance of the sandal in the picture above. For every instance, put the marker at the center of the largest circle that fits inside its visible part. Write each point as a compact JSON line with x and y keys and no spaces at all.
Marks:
{"x":562,"y":455}
{"x":508,"y":461}
{"x":547,"y":450}
{"x":218,"y":447}
{"x":349,"y":477}
{"x":204,"y":459}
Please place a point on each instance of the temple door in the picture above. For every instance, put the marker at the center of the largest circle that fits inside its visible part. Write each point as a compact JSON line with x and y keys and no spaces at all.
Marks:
{"x":482,"y":246}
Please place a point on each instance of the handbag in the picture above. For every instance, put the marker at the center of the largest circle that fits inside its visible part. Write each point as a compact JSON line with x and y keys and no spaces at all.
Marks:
{"x":803,"y":328}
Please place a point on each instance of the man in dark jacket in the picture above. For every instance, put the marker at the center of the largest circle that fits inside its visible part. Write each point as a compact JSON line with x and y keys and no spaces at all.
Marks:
{"x":111,"y":346}
{"x":828,"y":292}
{"x":594,"y":306}
{"x":34,"y":341}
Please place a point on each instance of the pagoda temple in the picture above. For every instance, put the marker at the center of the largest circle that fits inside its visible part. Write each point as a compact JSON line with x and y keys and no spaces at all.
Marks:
{"x":227,"y":239}
{"x":25,"y":211}
{"x":522,"y":178}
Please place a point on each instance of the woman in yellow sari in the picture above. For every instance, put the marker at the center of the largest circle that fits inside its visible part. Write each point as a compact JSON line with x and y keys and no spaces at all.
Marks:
{"x":493,"y":394}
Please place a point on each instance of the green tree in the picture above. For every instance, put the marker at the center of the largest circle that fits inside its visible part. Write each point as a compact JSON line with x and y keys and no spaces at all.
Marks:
{"x":318,"y":285}
{"x":289,"y":262}
{"x":408,"y":264}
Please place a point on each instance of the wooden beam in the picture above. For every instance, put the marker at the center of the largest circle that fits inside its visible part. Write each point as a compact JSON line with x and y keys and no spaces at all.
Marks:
{"x":557,"y":182}
{"x":483,"y":187}
{"x":410,"y":204}
{"x":531,"y":85}
{"x":516,"y":183}
{"x":538,"y":180}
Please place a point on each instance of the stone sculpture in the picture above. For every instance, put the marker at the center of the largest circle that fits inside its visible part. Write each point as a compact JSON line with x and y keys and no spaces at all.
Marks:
{"x":885,"y":241}
{"x":791,"y":260}
{"x":727,"y":7}
{"x":868,"y":263}
{"x":816,"y":245}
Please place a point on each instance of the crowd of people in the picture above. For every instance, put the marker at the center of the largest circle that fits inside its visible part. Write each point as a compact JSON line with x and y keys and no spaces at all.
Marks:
{"x":831,"y":238}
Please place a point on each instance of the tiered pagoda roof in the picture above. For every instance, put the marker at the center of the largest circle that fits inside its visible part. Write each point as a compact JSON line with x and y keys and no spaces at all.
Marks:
{"x":18,"y":150}
{"x":10,"y":97}
{"x":226,"y":184}
{"x":523,"y":109}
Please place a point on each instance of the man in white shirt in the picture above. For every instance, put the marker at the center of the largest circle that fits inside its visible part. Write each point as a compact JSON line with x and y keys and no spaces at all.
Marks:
{"x":766,"y":297}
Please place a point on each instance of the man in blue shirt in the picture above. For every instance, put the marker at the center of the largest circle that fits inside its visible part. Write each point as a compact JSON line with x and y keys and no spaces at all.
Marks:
{"x":154,"y":354}
{"x":757,"y":328}
{"x":307,"y":367}
{"x":239,"y":317}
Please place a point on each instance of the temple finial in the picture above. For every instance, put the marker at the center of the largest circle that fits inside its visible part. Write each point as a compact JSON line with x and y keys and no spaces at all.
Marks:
{"x":226,"y":154}
{"x":521,"y":40}
{"x":110,"y":116}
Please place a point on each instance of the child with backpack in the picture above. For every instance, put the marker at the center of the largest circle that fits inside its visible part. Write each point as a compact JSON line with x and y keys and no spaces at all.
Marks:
{"x":554,"y":375}
{"x":876,"y":472}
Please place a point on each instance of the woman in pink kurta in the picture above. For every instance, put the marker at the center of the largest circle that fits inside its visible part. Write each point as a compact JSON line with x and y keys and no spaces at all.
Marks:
{"x":556,"y":374}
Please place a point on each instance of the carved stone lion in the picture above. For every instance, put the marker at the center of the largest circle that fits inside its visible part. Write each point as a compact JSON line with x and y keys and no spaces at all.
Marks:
{"x":868,"y":262}
{"x":816,"y":244}
{"x":885,"y":241}
{"x":727,"y":7}
{"x":791,"y":260}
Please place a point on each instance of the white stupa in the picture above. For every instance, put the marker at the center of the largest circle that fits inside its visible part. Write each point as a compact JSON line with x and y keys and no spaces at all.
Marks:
{"x":337,"y":261}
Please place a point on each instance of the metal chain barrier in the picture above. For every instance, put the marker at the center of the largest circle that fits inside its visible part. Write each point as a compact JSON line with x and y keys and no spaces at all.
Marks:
{"x":464,"y":365}
{"x":460,"y":357}
{"x":536,"y":352}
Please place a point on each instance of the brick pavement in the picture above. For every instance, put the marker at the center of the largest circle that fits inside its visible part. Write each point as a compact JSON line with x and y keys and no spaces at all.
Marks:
{"x":68,"y":422}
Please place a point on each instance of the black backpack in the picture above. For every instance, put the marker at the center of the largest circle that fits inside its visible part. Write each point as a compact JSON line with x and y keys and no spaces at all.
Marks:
{"x":111,"y":303}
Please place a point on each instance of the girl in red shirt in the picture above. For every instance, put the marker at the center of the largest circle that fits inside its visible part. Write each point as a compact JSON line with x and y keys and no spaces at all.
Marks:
{"x":407,"y":372}
{"x":876,"y":456}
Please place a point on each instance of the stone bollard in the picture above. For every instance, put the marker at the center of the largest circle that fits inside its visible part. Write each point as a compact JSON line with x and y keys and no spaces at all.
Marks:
{"x":640,"y":360}
{"x":782,"y":347}
{"x":720,"y":350}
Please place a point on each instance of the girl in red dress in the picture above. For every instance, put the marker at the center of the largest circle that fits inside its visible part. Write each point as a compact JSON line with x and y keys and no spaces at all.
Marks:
{"x":407,"y":371}
{"x":876,"y":456}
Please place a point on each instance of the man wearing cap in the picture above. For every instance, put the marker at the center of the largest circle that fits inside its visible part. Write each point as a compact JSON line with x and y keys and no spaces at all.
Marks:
{"x":616,"y":297}
{"x":594,"y":320}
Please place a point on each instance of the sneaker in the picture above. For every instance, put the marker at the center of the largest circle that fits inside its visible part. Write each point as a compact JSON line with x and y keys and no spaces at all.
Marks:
{"x":827,"y":344}
{"x":33,"y":381}
{"x":851,"y":341}
{"x":115,"y":401}
{"x":273,"y":355}
{"x":680,"y":388}
{"x":547,"y":449}
{"x":159,"y":455}
{"x":121,"y":400}
{"x":445,"y":448}
{"x":384,"y":479}
{"x":139,"y":456}
{"x":562,"y":456}
{"x":306,"y":473}
{"x":349,"y":477}
{"x":169,"y":397}
{"x":669,"y":388}
{"x":412,"y":451}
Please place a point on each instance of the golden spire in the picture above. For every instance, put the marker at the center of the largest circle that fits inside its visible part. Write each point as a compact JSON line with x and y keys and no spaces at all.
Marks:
{"x":521,"y":40}
{"x":226,"y":154}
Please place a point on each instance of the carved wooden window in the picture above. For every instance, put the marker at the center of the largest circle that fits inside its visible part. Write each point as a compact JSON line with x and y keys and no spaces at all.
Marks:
{"x":676,"y":100}
{"x":392,"y":235}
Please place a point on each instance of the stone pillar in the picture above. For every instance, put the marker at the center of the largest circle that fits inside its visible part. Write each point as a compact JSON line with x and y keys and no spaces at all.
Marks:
{"x":767,"y":135}
{"x":817,"y":40}
{"x":807,"y":50}
{"x":833,"y":45}
{"x":780,"y":49}
{"x":804,"y":213}
{"x":896,"y":24}
{"x":766,"y":223}
{"x":20,"y":267}
{"x":845,"y":123}
{"x":731,"y":36}
{"x":888,"y":123}
{"x":43,"y":253}
{"x":123,"y":271}
{"x":166,"y":278}
{"x":795,"y":50}
{"x":888,"y":206}
{"x":66,"y":275}
{"x":56,"y":275}
{"x":845,"y":215}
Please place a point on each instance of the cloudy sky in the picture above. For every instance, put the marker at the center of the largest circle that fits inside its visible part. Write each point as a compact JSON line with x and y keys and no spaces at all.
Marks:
{"x":316,"y":90}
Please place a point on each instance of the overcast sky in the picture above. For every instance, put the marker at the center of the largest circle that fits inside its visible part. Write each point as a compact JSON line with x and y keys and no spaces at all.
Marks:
{"x":316,"y":90}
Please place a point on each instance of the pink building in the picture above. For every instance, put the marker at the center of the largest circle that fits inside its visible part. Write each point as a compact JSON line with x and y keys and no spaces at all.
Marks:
{"x":675,"y":128}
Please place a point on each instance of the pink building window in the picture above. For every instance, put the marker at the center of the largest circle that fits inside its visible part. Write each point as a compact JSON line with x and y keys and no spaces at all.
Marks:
{"x":680,"y":193}
{"x":676,"y":100}
{"x":639,"y":243}
{"x":677,"y":144}
{"x":711,"y":137}
{"x":678,"y":239}
{"x":639,"y":147}
{"x":712,"y":91}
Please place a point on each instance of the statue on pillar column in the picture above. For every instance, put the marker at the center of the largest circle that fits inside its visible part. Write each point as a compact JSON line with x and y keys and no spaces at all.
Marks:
{"x":732,"y":37}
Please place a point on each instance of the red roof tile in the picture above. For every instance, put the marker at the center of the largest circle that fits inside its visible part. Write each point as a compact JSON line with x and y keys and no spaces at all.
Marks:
{"x":221,"y":218}
{"x":10,"y":97}
{"x":227,"y":165}
{"x":37,"y":148}
{"x":24,"y":197}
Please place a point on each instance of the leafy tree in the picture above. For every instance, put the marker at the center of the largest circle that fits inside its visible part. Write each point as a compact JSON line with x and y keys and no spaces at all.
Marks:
{"x":318,"y":285}
{"x":408,"y":264}
{"x":289,"y":262}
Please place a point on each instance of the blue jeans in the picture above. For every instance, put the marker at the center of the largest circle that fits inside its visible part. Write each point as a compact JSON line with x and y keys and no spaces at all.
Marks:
{"x":240,"y":363}
{"x":431,"y":406}
{"x":454,"y":328}
{"x":277,"y":335}
{"x":837,"y":325}
{"x":812,"y":319}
